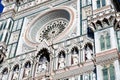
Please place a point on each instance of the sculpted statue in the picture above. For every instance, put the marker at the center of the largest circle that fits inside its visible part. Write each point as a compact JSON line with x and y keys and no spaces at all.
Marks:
{"x":89,"y":53}
{"x":75,"y":57}
{"x":61,"y":63}
{"x":15,"y":75}
{"x":27,"y":72}
{"x":43,"y":64}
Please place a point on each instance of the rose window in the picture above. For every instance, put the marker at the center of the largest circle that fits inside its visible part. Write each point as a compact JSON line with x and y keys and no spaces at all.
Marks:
{"x":54,"y":24}
{"x":53,"y":28}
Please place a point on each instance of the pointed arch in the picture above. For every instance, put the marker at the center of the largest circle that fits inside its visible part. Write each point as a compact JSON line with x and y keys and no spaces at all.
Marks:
{"x":27,"y":64}
{"x":99,"y":23}
{"x":93,"y":25}
{"x":88,"y":44}
{"x":62,"y":53}
{"x":61,"y":59}
{"x":102,"y":42}
{"x":75,"y":48}
{"x":105,"y":20}
{"x":16,"y":67}
{"x":108,"y":45}
{"x":74,"y":55}
{"x":44,"y":53}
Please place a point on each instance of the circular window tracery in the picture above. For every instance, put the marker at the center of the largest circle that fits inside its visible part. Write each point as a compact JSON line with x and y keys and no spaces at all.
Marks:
{"x":54,"y":24}
{"x":53,"y":28}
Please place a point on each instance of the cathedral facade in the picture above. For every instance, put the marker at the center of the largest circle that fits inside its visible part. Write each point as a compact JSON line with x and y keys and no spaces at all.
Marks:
{"x":59,"y":40}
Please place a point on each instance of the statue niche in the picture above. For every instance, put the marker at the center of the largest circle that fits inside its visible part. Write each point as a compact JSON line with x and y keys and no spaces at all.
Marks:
{"x":5,"y":74}
{"x":88,"y":51}
{"x":15,"y":72}
{"x":27,"y":69}
{"x":74,"y":55}
{"x":61,"y":60}
{"x":44,"y":60}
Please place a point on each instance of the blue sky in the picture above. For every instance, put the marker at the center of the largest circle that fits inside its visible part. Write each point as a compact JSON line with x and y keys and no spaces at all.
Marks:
{"x":1,"y":7}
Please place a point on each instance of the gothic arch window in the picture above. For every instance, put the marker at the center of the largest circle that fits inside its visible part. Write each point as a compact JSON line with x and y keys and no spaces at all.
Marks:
{"x":105,"y":42}
{"x":102,"y":42}
{"x":5,"y":74}
{"x":74,"y":55}
{"x":108,"y":41}
{"x":15,"y":72}
{"x":88,"y":51}
{"x":44,"y":59}
{"x":100,"y":3}
{"x":112,"y":72}
{"x":108,"y":72}
{"x":105,"y":73}
{"x":61,"y":59}
{"x":27,"y":69}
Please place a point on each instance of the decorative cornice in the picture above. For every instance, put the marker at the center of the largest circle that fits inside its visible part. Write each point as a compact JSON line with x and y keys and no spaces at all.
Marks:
{"x":87,"y":67}
{"x":106,"y":56}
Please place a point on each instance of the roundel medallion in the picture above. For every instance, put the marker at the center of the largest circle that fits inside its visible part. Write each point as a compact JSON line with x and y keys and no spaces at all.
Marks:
{"x":54,"y":24}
